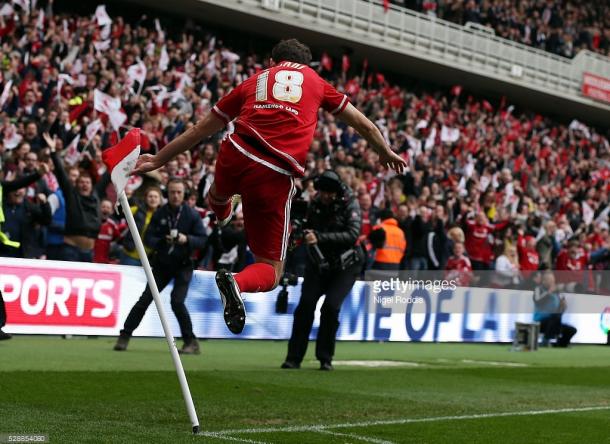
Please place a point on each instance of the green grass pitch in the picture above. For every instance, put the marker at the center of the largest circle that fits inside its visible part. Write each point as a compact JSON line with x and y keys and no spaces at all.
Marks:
{"x":80,"y":391}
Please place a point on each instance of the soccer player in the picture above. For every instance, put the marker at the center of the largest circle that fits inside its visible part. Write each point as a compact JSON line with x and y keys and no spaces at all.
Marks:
{"x":275,"y":114}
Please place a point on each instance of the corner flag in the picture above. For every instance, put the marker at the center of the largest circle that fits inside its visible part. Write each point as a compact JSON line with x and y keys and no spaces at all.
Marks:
{"x":120,"y":160}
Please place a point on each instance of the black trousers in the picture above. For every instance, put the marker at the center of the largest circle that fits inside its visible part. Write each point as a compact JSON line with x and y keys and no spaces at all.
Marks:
{"x":336,"y":285}
{"x":552,"y":327}
{"x":163,"y":275}
{"x":2,"y":312}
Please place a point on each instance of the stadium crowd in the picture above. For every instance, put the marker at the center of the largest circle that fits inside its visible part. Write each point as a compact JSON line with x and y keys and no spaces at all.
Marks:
{"x":560,"y":26}
{"x":487,"y":187}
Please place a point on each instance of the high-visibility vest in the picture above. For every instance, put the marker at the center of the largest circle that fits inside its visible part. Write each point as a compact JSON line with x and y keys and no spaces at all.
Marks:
{"x":395,"y":243}
{"x":4,"y":239}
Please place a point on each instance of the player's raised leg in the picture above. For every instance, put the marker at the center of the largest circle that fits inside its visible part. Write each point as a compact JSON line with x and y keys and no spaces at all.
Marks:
{"x":266,"y":198}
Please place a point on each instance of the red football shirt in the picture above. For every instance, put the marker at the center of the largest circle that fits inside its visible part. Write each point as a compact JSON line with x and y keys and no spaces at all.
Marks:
{"x":278,"y":108}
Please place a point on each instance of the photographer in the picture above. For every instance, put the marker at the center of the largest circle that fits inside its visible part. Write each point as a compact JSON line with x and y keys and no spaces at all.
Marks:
{"x":549,"y":308}
{"x":175,"y":231}
{"x":333,"y":264}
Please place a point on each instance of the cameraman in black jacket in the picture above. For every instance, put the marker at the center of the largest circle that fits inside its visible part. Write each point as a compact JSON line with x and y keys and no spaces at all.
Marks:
{"x":333,"y":264}
{"x":174,"y":232}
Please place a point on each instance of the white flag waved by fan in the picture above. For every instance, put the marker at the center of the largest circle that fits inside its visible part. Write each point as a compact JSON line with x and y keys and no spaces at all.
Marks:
{"x":163,"y":59}
{"x":101,"y":16}
{"x":105,"y":32}
{"x":104,"y":45}
{"x":5,"y":92}
{"x":449,"y":135}
{"x":40,"y":21}
{"x":587,"y":213}
{"x":93,"y":128}
{"x":72,"y":154}
{"x":160,"y":33}
{"x":11,"y":137}
{"x":6,"y":9}
{"x":23,"y":4}
{"x":61,"y":79}
{"x":121,"y":159}
{"x":105,"y":103}
{"x":137,"y":73}
{"x":111,"y":106}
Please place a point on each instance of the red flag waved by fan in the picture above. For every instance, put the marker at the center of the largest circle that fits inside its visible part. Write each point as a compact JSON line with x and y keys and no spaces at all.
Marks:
{"x":326,"y":62}
{"x":345,"y":63}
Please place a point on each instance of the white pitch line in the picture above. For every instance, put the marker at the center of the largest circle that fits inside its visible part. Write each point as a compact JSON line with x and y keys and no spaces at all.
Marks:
{"x":353,"y":436}
{"x":227,"y":437}
{"x":317,"y":428}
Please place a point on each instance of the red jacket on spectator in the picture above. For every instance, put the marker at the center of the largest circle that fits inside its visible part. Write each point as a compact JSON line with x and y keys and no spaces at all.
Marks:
{"x":529,"y":259}
{"x":477,"y":242}
{"x":109,"y":231}
{"x":459,"y":269}
{"x":573,"y":266}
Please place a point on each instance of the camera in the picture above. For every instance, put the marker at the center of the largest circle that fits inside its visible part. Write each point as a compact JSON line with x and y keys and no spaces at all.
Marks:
{"x":281,"y":303}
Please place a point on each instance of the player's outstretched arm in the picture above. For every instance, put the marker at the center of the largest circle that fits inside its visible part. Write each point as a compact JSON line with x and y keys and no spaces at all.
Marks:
{"x":203,"y":129}
{"x":371,"y":133}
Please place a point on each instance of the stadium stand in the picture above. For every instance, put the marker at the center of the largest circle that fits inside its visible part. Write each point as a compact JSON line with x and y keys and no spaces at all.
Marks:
{"x":560,"y":27}
{"x":475,"y":163}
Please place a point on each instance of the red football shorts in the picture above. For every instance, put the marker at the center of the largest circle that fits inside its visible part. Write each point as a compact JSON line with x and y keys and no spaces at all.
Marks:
{"x":266,"y":196}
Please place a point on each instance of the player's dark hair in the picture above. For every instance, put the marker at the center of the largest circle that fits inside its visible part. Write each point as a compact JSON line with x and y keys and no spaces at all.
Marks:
{"x":291,"y":50}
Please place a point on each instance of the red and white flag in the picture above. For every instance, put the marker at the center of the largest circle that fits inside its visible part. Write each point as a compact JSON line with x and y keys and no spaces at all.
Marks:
{"x":40,"y":20}
{"x":587,"y":213}
{"x":137,"y":73}
{"x":117,"y":119}
{"x":229,"y":56}
{"x":93,"y":128}
{"x":111,"y":106}
{"x":72,"y":154}
{"x":184,"y":80}
{"x":121,"y":159}
{"x":105,"y":32}
{"x":449,"y":135}
{"x":104,"y":45}
{"x":163,"y":59}
{"x":326,"y":62}
{"x":65,"y":30}
{"x":23,"y":4}
{"x":6,"y":9}
{"x":160,"y":94}
{"x":101,"y":16}
{"x":5,"y":92}
{"x":160,"y":33}
{"x":61,"y":79}
{"x":345,"y":63}
{"x":77,"y":67}
{"x":11,"y":137}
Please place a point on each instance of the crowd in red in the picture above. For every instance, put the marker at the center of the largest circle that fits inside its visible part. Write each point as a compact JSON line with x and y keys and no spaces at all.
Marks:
{"x":497,"y":188}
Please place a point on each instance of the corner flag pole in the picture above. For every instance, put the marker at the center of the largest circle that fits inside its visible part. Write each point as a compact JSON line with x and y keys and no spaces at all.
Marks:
{"x":186,"y":393}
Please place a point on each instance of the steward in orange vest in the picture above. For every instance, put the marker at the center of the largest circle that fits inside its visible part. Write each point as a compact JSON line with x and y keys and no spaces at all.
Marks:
{"x":390,"y":242}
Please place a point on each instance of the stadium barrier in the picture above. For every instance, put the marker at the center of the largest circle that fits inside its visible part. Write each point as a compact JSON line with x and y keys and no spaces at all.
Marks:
{"x":49,"y":297}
